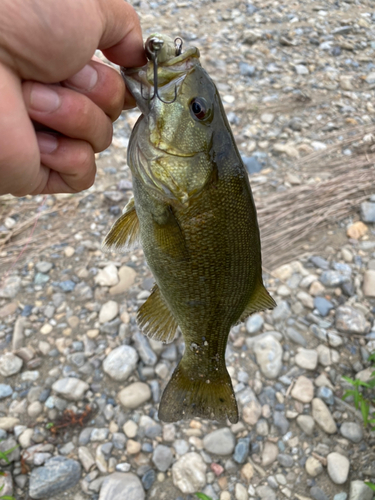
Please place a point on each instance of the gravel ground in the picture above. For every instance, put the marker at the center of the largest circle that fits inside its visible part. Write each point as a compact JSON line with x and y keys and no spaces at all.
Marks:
{"x":296,"y":77}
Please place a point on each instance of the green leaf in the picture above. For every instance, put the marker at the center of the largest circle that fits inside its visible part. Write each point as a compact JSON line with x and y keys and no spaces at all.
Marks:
{"x":370,"y":485}
{"x":356,"y":399}
{"x":202,"y":496}
{"x":2,"y":487}
{"x":348,"y":393}
{"x":7,"y":497}
{"x":365,"y":408}
{"x":348,"y":379}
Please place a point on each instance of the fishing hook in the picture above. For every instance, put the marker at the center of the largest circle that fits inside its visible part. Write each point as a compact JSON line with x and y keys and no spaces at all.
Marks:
{"x":152,"y":48}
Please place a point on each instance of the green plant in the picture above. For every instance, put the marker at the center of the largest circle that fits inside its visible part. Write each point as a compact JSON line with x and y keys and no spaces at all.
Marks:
{"x":5,"y":497}
{"x":202,"y":496}
{"x":363,"y":400}
{"x":370,"y":485}
{"x":4,"y":456}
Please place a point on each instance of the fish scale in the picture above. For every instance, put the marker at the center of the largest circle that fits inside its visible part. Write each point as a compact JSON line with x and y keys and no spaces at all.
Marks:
{"x":194,"y":215}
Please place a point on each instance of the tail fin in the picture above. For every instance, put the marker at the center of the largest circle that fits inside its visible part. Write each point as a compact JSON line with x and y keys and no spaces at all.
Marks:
{"x":187,"y":396}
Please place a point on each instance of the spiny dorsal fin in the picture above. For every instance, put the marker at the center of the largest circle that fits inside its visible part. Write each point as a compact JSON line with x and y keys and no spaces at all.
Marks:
{"x":124,"y":234}
{"x":155,"y":318}
{"x":260,"y":301}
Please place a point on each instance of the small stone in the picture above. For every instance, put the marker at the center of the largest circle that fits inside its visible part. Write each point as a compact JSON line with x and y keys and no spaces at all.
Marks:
{"x":368,"y":211}
{"x":219,"y":442}
{"x":10,"y":364}
{"x":44,"y":267}
{"x":12,"y":456}
{"x":281,"y":422}
{"x":108,"y":311}
{"x":99,"y":434}
{"x":247,"y":472}
{"x":251,"y":412}
{"x":267,"y":118}
{"x":352,"y":431}
{"x":356,"y":230}
{"x":369,"y":282}
{"x":350,"y":320}
{"x":241,"y":492}
{"x":8,"y":423}
{"x":57,"y":475}
{"x":262,"y":428}
{"x":86,"y":459}
{"x":11,"y":287}
{"x":5,"y":391}
{"x":306,"y":358}
{"x":318,"y":494}
{"x":268,"y":352}
{"x":294,"y":335}
{"x":69,"y":251}
{"x":130,"y":428}
{"x":360,"y":491}
{"x":306,"y":299}
{"x":133,"y":447}
{"x":8,"y":309}
{"x":134,"y":395}
{"x":241,"y":450}
{"x":70,"y":388}
{"x":303,"y":390}
{"x":120,"y":362}
{"x":127,"y":277}
{"x":189,"y":473}
{"x":333,"y":278}
{"x":325,"y":355}
{"x":246,"y":69}
{"x":269,"y":454}
{"x":162,"y":457}
{"x":313,"y":467}
{"x":323,"y":305}
{"x":67,"y":286}
{"x":285,"y":460}
{"x":46,"y":329}
{"x":266,"y":493}
{"x":301,"y":69}
{"x":122,"y":485}
{"x":316,"y":288}
{"x":323,"y":417}
{"x":35,"y":409}
{"x":338,"y":467}
{"x":254,"y":324}
{"x":107,"y":276}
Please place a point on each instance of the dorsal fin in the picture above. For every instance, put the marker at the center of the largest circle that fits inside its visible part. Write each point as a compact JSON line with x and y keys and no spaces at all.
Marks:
{"x":155,"y":318}
{"x":124,"y":234}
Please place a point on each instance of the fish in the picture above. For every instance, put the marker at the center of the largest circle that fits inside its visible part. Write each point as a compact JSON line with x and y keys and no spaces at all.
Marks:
{"x":193,"y":213}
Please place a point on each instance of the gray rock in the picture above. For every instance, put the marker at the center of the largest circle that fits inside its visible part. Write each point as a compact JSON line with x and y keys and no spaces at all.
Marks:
{"x":254,"y":324}
{"x":220,"y":442}
{"x":303,"y":389}
{"x":352,"y":431}
{"x":246,"y":69}
{"x":241,"y":450}
{"x":323,"y":305}
{"x":7,"y":445}
{"x":121,"y":362}
{"x":108,"y":311}
{"x":134,"y":395}
{"x":295,"y":336}
{"x":360,"y":491}
{"x":189,"y":473}
{"x":368,"y":211}
{"x":318,"y":494}
{"x":10,"y":364}
{"x":86,"y":459}
{"x":143,"y":347}
{"x":162,"y":457}
{"x":306,"y":423}
{"x":319,"y":262}
{"x":281,"y":422}
{"x":326,"y":394}
{"x":266,"y":493}
{"x":269,"y":454}
{"x":99,"y":434}
{"x":313,"y":467}
{"x":57,"y":475}
{"x":333,"y":278}
{"x":281,"y":311}
{"x":369,"y":283}
{"x":338,"y":467}
{"x":43,"y":267}
{"x":268,"y":352}
{"x":252,"y":164}
{"x":285,"y":460}
{"x":350,"y":320}
{"x":341,"y":496}
{"x":11,"y":287}
{"x":5,"y":391}
{"x":121,"y":485}
{"x":301,"y":69}
{"x":70,"y":388}
{"x":307,"y":358}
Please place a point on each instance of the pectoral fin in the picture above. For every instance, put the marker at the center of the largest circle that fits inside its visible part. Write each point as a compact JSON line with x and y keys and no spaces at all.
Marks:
{"x":260,"y":301}
{"x":155,"y":318}
{"x":168,"y":234}
{"x":124,"y":234}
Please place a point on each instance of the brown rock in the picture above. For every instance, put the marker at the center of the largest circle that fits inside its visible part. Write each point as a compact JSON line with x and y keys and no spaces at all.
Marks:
{"x":357,"y":230}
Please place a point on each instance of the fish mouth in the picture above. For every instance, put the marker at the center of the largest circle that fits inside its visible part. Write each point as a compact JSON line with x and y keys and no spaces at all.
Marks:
{"x":170,"y":76}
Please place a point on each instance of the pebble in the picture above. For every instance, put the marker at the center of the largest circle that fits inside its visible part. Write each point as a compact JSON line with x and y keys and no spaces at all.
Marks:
{"x":108,"y":311}
{"x":313,"y":467}
{"x":11,"y":287}
{"x":134,"y":395}
{"x":251,"y":412}
{"x":254,"y":324}
{"x":162,"y":457}
{"x":8,"y":423}
{"x":360,"y":491}
{"x":285,"y":460}
{"x":323,"y":417}
{"x":241,"y":450}
{"x":350,"y":320}
{"x":269,"y":454}
{"x":130,"y":428}
{"x":220,"y":442}
{"x":57,"y":475}
{"x":10,"y":364}
{"x":86,"y":458}
{"x":107,"y":276}
{"x":121,"y":485}
{"x":70,"y":388}
{"x":351,"y":431}
{"x":323,"y":305}
{"x":5,"y":391}
{"x":338,"y":467}
{"x":368,"y":210}
{"x":369,"y":282}
{"x":120,"y":362}
{"x":306,"y":358}
{"x":126,"y":277}
{"x":268,"y":352}
{"x":189,"y":473}
{"x":357,"y":230}
{"x":303,"y":389}
{"x":318,"y":494}
{"x":241,"y":492}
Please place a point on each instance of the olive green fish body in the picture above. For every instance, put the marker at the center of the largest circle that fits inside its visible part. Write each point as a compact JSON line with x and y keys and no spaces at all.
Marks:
{"x":199,"y":232}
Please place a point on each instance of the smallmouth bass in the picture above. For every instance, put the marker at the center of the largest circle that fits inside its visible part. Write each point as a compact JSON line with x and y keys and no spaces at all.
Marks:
{"x":194,"y":215}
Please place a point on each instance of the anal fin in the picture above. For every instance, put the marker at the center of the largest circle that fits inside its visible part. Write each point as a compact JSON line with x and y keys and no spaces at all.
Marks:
{"x":155,"y":318}
{"x":261,"y":300}
{"x":124,"y":234}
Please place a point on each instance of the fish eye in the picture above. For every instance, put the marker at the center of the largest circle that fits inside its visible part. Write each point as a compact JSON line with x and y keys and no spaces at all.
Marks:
{"x":199,"y":108}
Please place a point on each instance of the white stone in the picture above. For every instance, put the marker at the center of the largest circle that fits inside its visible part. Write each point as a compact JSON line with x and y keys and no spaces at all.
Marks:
{"x":10,"y":364}
{"x":306,"y":358}
{"x":127,"y":277}
{"x":313,"y":467}
{"x":122,"y":485}
{"x":268,"y":352}
{"x":107,"y":276}
{"x":241,"y":492}
{"x":108,"y":311}
{"x":189,"y":473}
{"x":121,"y":362}
{"x":134,"y":395}
{"x":338,"y":467}
{"x":303,"y":390}
{"x":323,"y":417}
{"x":70,"y":388}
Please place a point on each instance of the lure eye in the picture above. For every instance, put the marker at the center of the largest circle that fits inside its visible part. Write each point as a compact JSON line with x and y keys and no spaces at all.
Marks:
{"x":199,"y":108}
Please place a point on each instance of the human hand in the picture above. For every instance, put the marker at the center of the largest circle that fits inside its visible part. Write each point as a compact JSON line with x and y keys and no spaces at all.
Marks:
{"x":49,"y":82}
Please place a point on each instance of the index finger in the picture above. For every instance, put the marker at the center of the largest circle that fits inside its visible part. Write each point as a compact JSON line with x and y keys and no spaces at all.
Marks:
{"x":121,"y":41}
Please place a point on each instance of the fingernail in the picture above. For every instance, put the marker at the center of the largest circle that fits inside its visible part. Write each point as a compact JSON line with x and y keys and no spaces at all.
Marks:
{"x":43,"y":98}
{"x":85,"y":79}
{"x":47,"y":143}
